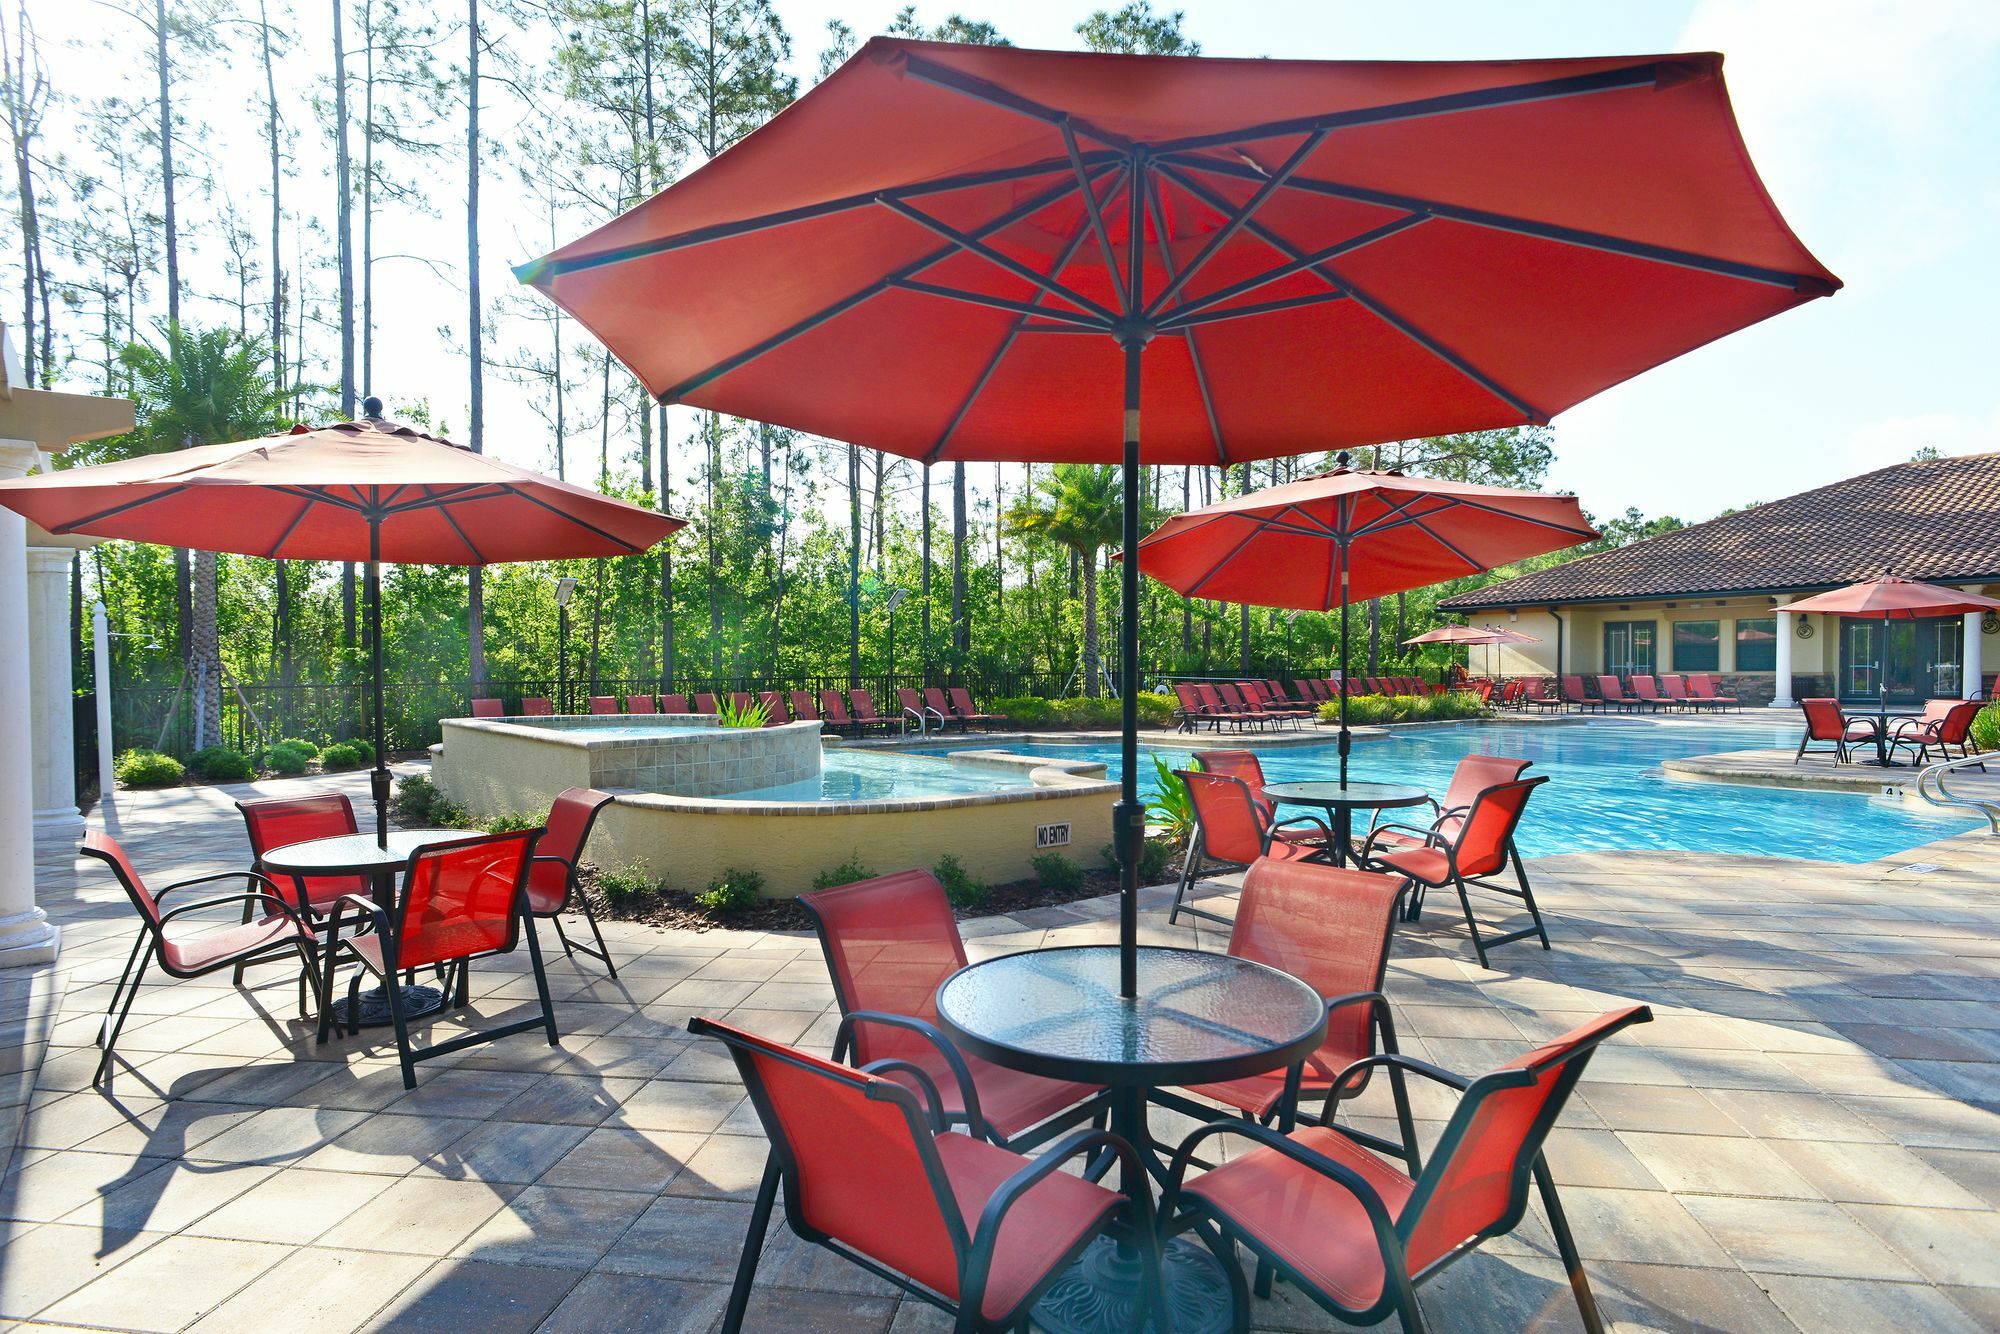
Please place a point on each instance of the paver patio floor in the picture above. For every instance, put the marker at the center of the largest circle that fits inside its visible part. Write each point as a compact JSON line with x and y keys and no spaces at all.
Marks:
{"x":1808,"y":1136}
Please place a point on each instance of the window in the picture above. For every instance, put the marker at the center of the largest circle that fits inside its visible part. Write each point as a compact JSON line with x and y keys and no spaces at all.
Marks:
{"x":1697,"y":646}
{"x":1628,"y":648}
{"x":1757,"y":644}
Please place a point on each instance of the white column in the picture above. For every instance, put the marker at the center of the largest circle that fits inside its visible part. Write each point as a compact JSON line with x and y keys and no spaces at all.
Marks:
{"x":51,"y":694}
{"x":1781,"y":688}
{"x":26,"y":934}
{"x":1974,"y":673}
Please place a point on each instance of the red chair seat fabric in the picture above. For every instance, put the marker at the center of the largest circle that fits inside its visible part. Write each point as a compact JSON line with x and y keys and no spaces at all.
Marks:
{"x":548,"y":884}
{"x":1429,"y":865}
{"x":1050,"y":1220}
{"x":1010,"y":1101}
{"x":1260,"y":1094}
{"x":1311,"y":1223}
{"x":193,"y":953}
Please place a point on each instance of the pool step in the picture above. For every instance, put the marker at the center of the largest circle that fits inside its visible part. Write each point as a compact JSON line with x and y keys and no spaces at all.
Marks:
{"x":1933,"y":784}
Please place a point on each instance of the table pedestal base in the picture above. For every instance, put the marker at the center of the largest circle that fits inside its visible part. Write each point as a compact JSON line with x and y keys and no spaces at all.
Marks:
{"x":1103,"y":1290}
{"x":371,"y":1008}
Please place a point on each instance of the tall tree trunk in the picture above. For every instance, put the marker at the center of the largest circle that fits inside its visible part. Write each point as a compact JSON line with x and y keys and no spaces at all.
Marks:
{"x":22,"y":115}
{"x":367,"y":198}
{"x":207,"y":656}
{"x":1243,"y":611}
{"x":853,"y":566}
{"x":961,"y":626}
{"x":343,"y":213}
{"x":277,"y":205}
{"x":170,"y":240}
{"x":999,"y":561}
{"x":924,"y":580}
{"x":1374,"y":636}
{"x":1091,"y":672}
{"x":1187,"y":604}
{"x":712,"y":424}
{"x":475,"y":581}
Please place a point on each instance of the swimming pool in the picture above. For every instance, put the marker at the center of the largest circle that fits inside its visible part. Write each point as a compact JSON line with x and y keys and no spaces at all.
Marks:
{"x":1609,"y":793}
{"x":847,"y":775}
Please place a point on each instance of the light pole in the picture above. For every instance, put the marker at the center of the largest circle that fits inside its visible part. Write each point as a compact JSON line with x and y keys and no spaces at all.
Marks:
{"x":565,"y":590}
{"x":897,"y":596}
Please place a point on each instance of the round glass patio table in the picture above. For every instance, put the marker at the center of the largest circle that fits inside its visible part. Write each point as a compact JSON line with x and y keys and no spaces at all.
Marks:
{"x":1341,"y":800}
{"x":360,"y":854}
{"x":1198,"y":1018}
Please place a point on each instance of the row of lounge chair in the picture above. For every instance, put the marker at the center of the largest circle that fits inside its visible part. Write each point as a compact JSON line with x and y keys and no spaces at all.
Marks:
{"x":1243,"y":705}
{"x":922,"y":711}
{"x":1695,"y":691}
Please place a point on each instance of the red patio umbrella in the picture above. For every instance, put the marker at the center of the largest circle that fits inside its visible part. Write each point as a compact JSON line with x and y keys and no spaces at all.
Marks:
{"x":956,"y":252}
{"x":1891,"y":597}
{"x":1322,"y":542}
{"x":1467,"y":635}
{"x":369,"y":490}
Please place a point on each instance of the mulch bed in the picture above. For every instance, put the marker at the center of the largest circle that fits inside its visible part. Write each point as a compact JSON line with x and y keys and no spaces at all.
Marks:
{"x":677,"y":908}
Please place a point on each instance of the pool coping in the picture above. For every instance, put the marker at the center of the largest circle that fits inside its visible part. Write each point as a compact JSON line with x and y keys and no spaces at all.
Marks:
{"x":1052,"y":779}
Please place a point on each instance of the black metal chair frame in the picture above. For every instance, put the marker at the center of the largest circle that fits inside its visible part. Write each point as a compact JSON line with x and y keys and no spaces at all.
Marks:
{"x":1454,"y":878}
{"x":1399,"y":1295}
{"x":454,"y":975}
{"x":570,"y":948}
{"x":1841,"y":743}
{"x":1197,"y":852}
{"x":312,"y":919}
{"x":1917,"y":733}
{"x":151,"y":945}
{"x":975,"y":1251}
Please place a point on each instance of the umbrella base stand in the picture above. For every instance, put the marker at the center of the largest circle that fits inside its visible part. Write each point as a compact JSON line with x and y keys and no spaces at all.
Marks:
{"x":371,"y":1008}
{"x":1104,"y":1288}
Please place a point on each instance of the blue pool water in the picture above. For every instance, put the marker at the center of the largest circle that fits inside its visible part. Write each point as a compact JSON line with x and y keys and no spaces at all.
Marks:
{"x":1608,"y":792}
{"x":850,"y":775}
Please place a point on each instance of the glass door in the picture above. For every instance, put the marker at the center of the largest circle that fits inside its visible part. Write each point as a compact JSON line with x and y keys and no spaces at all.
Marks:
{"x":1914,"y":660}
{"x":1628,"y":648}
{"x":1860,"y":659}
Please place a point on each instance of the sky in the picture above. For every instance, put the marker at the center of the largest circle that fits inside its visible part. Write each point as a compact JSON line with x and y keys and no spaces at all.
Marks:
{"x":1876,"y":127}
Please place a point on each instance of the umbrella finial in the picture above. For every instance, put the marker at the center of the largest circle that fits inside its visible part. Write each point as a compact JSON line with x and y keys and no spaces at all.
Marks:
{"x":1340,"y":461}
{"x":371,"y":408}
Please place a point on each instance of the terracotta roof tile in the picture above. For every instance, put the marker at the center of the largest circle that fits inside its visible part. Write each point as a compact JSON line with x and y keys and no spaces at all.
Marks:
{"x":1936,"y":520}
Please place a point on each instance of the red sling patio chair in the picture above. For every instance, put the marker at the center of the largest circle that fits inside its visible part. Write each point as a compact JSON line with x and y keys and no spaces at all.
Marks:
{"x":640,"y":704}
{"x":1189,"y":708}
{"x":1677,"y":693}
{"x":1535,"y":695}
{"x":1826,"y":722}
{"x":536,"y":706}
{"x":741,"y":700}
{"x":1356,"y":1234}
{"x":552,"y":875}
{"x":968,"y":713}
{"x":939,"y":707}
{"x":1946,"y":723}
{"x":864,"y":714}
{"x":281,"y":931}
{"x":602,"y":704}
{"x":1230,"y":833}
{"x":804,"y":710}
{"x":1330,"y":927}
{"x":673,"y":704}
{"x":1245,"y":765}
{"x":1219,"y":712}
{"x":460,"y":901}
{"x":916,"y":711}
{"x":275,"y":822}
{"x":871,"y":1173}
{"x":1574,"y":693}
{"x":704,"y":702}
{"x":1235,"y":697}
{"x":1703,"y":687}
{"x":488,"y":708}
{"x":1611,"y":694}
{"x":834,"y":715}
{"x":1473,"y":775}
{"x":1647,"y":692}
{"x":889,"y":943}
{"x":1481,"y":847}
{"x":1274,"y":701}
{"x":774,"y":708}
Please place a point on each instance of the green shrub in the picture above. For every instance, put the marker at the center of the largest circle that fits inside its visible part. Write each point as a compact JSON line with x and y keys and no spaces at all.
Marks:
{"x":1986,"y":727}
{"x":289,"y":757}
{"x":959,"y":887}
{"x":147,"y":768}
{"x":728,"y":715}
{"x":1154,"y":856}
{"x":620,"y":888}
{"x":419,"y":805}
{"x":1371,"y":710}
{"x":846,"y":873}
{"x":1024,"y":711}
{"x":365,"y":749}
{"x":1155,"y":710}
{"x":735,"y":889}
{"x":513,"y":823}
{"x":1058,"y":874}
{"x":1173,"y":807}
{"x":300,"y":743}
{"x":340,"y":755}
{"x":221,"y":764}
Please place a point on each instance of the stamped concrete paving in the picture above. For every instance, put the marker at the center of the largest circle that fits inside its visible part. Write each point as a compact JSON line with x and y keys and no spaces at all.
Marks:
{"x":1808,"y":1136}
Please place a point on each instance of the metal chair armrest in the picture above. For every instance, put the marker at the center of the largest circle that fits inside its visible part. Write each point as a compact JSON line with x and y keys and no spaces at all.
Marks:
{"x":1339,"y":1173}
{"x":927,"y":1088}
{"x":968,"y":1093}
{"x":269,"y":883}
{"x":1428,"y":837}
{"x":1324,"y":828}
{"x":987,"y":1234}
{"x":1399,"y":1062}
{"x":253,"y":896}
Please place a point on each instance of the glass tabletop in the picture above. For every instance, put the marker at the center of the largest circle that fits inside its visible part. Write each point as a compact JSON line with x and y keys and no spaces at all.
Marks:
{"x":1198,"y":1016}
{"x":355,"y":854}
{"x":1327,"y":792}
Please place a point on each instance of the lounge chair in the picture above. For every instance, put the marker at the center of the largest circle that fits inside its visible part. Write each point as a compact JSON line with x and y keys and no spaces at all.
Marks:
{"x":1258,"y":696}
{"x":935,"y":702}
{"x":1648,"y":693}
{"x":537,"y":706}
{"x":602,"y":704}
{"x":673,"y":704}
{"x":868,"y":1176}
{"x":552,"y":875}
{"x":1826,"y":722}
{"x":1480,"y":848}
{"x":488,"y":708}
{"x":640,"y":704}
{"x":1676,"y":692}
{"x":1613,"y":695}
{"x":1189,"y":709}
{"x":864,"y":714}
{"x":1574,"y":693}
{"x":774,"y":708}
{"x":1230,"y":833}
{"x":1703,"y":686}
{"x":742,"y":701}
{"x":1946,"y":723}
{"x":1219,"y":713}
{"x":279,"y":932}
{"x":1232,"y":698}
{"x":1355,"y":1234}
{"x":804,"y":710}
{"x":963,"y":708}
{"x":916,"y":711}
{"x":1535,"y":695}
{"x":704,"y":702}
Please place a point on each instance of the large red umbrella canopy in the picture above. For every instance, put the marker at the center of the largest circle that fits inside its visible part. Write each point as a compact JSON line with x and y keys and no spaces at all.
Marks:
{"x":1352,"y":535}
{"x":1890,"y":597}
{"x":1466,"y":634}
{"x":1333,"y":252}
{"x":315,"y":494}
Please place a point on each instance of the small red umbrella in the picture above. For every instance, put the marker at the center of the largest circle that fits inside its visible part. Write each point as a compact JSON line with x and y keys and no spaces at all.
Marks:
{"x":1467,"y":635}
{"x":369,"y":490}
{"x":1325,"y":541}
{"x":1891,"y":597}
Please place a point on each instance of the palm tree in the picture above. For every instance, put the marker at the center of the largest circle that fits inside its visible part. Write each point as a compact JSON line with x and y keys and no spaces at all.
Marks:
{"x":203,"y":388}
{"x":1079,"y":507}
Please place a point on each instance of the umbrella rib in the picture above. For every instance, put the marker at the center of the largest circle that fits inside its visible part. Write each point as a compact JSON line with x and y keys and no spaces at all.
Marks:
{"x":737,"y":361}
{"x":1255,"y":308}
{"x":123,"y":508}
{"x":447,"y":496}
{"x":1503,"y":222}
{"x":1585,"y":533}
{"x":1156,"y":206}
{"x":292,"y":527}
{"x":993,"y":95}
{"x":1022,"y":308}
{"x":1217,"y":568}
{"x":1387,"y":316}
{"x":1423,"y":108}
{"x":974,"y":245}
{"x":539,"y":269}
{"x":1088,"y":189}
{"x":1239,"y":218}
{"x":478,"y":556}
{"x":1287,"y":269}
{"x":533,"y":499}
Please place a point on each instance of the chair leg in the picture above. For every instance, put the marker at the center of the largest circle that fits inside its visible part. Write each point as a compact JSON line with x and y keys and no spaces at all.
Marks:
{"x":124,"y":980}
{"x":1471,"y":922}
{"x":541,"y":978}
{"x":603,"y":950}
{"x":753,"y":1247}
{"x":1188,"y":863}
{"x":1528,"y":895}
{"x":1586,"y":1302}
{"x":111,"y":1038}
{"x":236,"y":974}
{"x":569,"y":951}
{"x":394,"y":995}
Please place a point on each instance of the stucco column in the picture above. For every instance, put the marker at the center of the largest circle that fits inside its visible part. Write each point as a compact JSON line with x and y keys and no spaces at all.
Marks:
{"x":1974,"y":673}
{"x":51,"y":697}
{"x":1781,"y":688}
{"x":26,"y":934}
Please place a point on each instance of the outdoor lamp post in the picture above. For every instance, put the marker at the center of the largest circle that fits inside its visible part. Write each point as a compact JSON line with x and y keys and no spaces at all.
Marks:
{"x":897,"y":596}
{"x":565,"y":590}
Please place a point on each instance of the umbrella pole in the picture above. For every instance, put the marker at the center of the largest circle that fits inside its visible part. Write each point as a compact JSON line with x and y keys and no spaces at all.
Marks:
{"x":379,"y":779}
{"x":1128,"y":817}
{"x":1340,"y":554}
